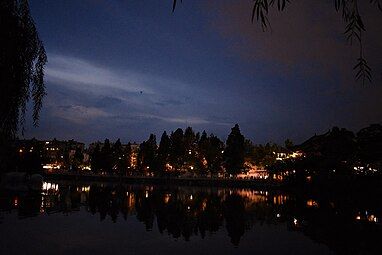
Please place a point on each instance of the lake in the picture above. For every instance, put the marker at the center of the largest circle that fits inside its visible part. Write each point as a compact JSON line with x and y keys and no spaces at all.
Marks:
{"x":69,"y":217}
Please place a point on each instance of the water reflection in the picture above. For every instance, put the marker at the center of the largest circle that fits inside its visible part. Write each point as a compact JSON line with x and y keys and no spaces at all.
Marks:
{"x":186,"y":212}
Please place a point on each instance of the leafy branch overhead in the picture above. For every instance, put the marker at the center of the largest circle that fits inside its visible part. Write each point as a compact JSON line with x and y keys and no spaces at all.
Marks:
{"x":350,"y":14}
{"x":22,"y":64}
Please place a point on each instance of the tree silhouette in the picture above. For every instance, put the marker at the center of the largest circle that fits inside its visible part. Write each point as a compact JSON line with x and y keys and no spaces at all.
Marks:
{"x":214,"y":156}
{"x":234,"y":151}
{"x":106,"y":156}
{"x":95,"y":159}
{"x":22,"y":61}
{"x":163,"y":153}
{"x":147,"y":154}
{"x":178,"y":149}
{"x":78,"y":159}
{"x":119,"y":159}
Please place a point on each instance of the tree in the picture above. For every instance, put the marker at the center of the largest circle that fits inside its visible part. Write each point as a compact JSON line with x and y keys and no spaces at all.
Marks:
{"x":22,"y":64}
{"x":350,"y":13}
{"x":178,"y":149}
{"x":106,"y":157}
{"x":78,"y":159}
{"x":288,"y":144}
{"x":22,"y":61}
{"x":163,"y":153}
{"x":234,"y":151}
{"x":128,"y":155}
{"x":214,"y":156}
{"x":265,"y":155}
{"x":203,"y":145}
{"x":370,"y":144}
{"x":147,"y":154}
{"x":95,"y":159}
{"x":190,"y":146}
{"x":119,"y":159}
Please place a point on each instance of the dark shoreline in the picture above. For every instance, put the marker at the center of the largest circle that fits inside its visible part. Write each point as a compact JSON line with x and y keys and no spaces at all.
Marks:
{"x":205,"y":182}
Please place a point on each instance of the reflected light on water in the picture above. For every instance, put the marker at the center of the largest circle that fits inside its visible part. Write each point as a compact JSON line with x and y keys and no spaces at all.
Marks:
{"x":189,"y":212}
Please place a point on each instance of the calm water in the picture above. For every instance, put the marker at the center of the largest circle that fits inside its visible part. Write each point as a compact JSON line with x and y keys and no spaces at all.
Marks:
{"x":70,"y":218}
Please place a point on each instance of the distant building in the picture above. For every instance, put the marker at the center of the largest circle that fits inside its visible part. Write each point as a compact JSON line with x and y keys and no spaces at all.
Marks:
{"x":134,"y":148}
{"x":54,"y":154}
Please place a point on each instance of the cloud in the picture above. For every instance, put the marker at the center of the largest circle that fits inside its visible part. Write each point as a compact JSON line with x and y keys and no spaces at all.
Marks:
{"x":79,"y":114}
{"x":82,"y":92}
{"x":169,"y":102}
{"x":307,"y":36}
{"x":83,"y":75}
{"x":188,"y":120}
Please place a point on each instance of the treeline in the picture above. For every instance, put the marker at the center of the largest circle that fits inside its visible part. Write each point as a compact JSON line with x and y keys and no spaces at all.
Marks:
{"x":178,"y":152}
{"x":339,"y":151}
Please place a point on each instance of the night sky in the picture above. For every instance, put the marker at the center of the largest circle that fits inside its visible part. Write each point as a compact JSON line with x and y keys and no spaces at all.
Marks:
{"x":128,"y":68}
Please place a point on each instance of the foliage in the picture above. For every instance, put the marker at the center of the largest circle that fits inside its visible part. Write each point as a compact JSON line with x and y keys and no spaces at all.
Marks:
{"x":178,"y":149}
{"x":234,"y":151}
{"x":119,"y":160}
{"x":106,"y":157}
{"x":22,"y":61}
{"x":78,"y":159}
{"x":96,"y":159}
{"x":147,"y":154}
{"x":213,"y":155}
{"x":163,"y":153}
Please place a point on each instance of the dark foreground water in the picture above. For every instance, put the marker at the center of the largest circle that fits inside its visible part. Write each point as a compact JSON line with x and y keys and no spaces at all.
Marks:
{"x":70,"y":218}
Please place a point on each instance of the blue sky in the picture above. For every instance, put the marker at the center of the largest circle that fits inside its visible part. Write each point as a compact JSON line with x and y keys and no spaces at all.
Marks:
{"x":125,"y":69}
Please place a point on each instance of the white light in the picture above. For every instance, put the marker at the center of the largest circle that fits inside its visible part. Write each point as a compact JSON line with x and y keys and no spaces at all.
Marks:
{"x":278,"y":215}
{"x":295,"y":221}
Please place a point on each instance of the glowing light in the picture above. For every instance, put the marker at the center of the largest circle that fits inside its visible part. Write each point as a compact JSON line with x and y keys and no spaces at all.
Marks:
{"x":372,"y":218}
{"x":191,"y":197}
{"x":295,"y":221}
{"x":358,"y":217}
{"x":311,"y":203}
{"x":85,"y":189}
{"x":147,"y":194}
{"x":278,"y":215}
{"x":191,"y":167}
{"x":21,"y":151}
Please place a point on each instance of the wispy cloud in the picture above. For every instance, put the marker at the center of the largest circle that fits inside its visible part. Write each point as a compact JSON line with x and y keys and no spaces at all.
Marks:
{"x":79,"y":114}
{"x":186,"y":120}
{"x":82,"y":75}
